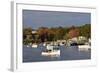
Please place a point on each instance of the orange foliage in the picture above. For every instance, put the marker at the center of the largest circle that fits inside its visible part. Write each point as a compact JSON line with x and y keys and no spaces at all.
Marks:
{"x":73,"y":32}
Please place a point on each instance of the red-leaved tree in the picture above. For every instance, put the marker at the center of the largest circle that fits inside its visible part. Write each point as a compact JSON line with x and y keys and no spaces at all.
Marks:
{"x":73,"y":32}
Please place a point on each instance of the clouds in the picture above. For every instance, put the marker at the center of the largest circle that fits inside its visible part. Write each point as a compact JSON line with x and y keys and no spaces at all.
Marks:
{"x":35,"y":19}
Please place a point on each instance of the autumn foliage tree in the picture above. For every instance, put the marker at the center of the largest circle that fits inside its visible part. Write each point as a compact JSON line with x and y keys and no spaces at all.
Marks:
{"x":73,"y":32}
{"x":47,"y":34}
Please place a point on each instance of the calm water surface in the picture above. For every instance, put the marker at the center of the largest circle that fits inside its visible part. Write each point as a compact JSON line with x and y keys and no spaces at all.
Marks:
{"x":66,"y":53}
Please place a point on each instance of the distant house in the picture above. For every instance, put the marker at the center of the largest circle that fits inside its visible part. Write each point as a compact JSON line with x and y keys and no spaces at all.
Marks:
{"x":78,"y":40}
{"x":82,"y":38}
{"x":75,"y":39}
{"x":34,"y":31}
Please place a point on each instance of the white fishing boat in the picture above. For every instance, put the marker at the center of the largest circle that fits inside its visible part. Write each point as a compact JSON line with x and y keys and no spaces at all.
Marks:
{"x":51,"y":50}
{"x":50,"y":53}
{"x":49,"y":47}
{"x":34,"y":45}
{"x":84,"y":47}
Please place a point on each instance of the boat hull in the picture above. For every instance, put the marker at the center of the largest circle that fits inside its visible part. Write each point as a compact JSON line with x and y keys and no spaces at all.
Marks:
{"x":51,"y":53}
{"x":34,"y":46}
{"x":84,"y":47}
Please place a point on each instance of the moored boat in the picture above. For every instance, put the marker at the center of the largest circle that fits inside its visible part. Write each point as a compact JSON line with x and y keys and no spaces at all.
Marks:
{"x":50,"y":53}
{"x":34,"y":45}
{"x":84,"y":47}
{"x":51,"y":50}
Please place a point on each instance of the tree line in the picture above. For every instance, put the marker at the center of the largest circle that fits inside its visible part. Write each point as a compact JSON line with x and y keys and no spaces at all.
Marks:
{"x":45,"y":34}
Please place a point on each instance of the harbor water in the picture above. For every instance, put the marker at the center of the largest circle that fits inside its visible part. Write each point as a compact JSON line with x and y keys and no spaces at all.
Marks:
{"x":66,"y":53}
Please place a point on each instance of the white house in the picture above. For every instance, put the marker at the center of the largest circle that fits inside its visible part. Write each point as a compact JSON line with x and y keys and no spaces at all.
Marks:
{"x":34,"y":31}
{"x":80,"y":38}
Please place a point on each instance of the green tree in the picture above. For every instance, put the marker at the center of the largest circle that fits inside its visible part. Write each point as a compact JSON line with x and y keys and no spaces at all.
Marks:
{"x":85,"y":30}
{"x":27,"y":35}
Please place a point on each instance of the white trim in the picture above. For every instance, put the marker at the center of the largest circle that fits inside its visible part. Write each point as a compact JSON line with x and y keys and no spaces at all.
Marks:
{"x":63,"y":4}
{"x":13,"y":37}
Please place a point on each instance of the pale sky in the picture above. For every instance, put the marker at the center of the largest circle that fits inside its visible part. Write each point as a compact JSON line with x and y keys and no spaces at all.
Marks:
{"x":36,"y":19}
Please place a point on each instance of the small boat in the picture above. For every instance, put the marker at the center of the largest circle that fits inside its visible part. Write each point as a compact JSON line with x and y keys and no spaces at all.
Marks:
{"x":34,"y":45}
{"x":50,"y":53}
{"x":49,"y":47}
{"x":84,"y":47}
{"x":51,"y":50}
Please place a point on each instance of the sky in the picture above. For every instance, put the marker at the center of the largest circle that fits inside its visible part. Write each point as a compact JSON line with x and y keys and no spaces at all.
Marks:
{"x":36,"y":19}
